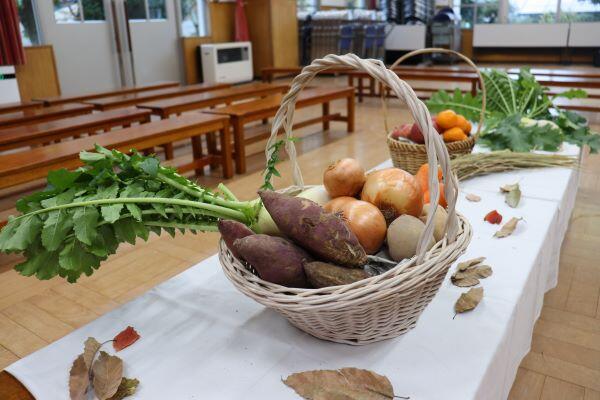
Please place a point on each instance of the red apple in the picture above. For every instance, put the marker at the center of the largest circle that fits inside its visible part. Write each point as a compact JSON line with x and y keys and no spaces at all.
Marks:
{"x":401,"y":131}
{"x":436,"y":126}
{"x":416,"y":135}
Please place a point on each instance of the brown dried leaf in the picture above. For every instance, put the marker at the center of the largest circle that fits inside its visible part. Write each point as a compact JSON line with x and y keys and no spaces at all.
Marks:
{"x":79,"y":379}
{"x":90,"y":348}
{"x":466,"y":281}
{"x":126,"y":388}
{"x":473,"y":197}
{"x":463,"y":266}
{"x":509,"y":188}
{"x":346,"y":383}
{"x":482,"y":271}
{"x":508,"y":228}
{"x":108,"y":371}
{"x":468,"y":300}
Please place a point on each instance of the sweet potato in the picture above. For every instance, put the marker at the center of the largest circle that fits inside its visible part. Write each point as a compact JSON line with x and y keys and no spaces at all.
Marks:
{"x":277,"y":260}
{"x":322,"y":274}
{"x":324,"y":235}
{"x":231,"y":231}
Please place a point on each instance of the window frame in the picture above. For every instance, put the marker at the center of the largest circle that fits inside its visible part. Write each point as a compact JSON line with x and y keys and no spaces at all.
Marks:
{"x":82,"y":19}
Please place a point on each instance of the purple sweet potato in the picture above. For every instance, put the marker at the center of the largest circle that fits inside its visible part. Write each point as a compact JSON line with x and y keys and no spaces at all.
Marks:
{"x":321,"y":274}
{"x":277,"y":260}
{"x":323,"y":234}
{"x":231,"y":231}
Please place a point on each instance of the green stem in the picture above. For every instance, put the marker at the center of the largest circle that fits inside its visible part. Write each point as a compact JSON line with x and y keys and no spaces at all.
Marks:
{"x":204,"y":228}
{"x":228,"y":193}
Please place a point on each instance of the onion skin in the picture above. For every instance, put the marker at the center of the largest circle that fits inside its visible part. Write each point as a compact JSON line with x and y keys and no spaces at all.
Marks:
{"x":364,"y":220}
{"x":344,"y":177}
{"x":395,"y":192}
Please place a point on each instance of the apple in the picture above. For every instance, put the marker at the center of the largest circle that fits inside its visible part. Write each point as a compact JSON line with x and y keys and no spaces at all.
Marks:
{"x":401,"y":131}
{"x":416,"y":135}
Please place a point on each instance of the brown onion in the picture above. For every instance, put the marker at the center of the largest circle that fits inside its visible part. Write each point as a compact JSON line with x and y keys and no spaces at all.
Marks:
{"x":364,"y":220}
{"x":394,"y":191}
{"x":345,"y":177}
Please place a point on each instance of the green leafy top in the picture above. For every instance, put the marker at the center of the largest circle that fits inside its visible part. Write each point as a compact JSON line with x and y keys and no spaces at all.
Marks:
{"x":82,"y":216}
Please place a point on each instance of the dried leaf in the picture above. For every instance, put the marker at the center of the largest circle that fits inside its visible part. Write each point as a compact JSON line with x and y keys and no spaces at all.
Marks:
{"x":79,"y":379}
{"x":508,"y":228}
{"x":483,"y":271}
{"x":465,"y":282}
{"x":512,"y":194}
{"x":125,"y":338}
{"x":469,"y":276}
{"x":90,"y":348}
{"x":468,"y":300}
{"x":108,"y":371}
{"x":473,"y":197}
{"x":126,"y":388}
{"x":469,"y":263}
{"x":493,"y":217}
{"x":346,"y":383}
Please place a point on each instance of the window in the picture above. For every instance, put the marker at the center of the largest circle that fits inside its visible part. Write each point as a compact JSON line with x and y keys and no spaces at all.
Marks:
{"x":146,"y":9}
{"x":68,"y":11}
{"x":477,"y":12}
{"x":308,"y":5}
{"x":579,"y":10}
{"x":194,"y":18}
{"x":29,"y":30}
{"x":532,"y":11}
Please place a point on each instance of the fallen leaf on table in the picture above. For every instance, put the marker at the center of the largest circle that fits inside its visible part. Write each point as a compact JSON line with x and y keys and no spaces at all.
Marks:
{"x":508,"y":228}
{"x":79,"y":379}
{"x":465,"y":282}
{"x":512,"y":194}
{"x":90,"y":348}
{"x":469,"y":272}
{"x":462,"y":266}
{"x":125,"y":338}
{"x":126,"y":388}
{"x":473,"y":197}
{"x":493,"y":217}
{"x":468,"y":300}
{"x":108,"y":371}
{"x":346,"y":383}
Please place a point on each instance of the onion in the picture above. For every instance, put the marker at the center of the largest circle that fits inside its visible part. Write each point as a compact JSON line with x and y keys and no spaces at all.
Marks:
{"x":395,"y":192}
{"x":345,"y":177}
{"x":318,"y":194}
{"x":364,"y":220}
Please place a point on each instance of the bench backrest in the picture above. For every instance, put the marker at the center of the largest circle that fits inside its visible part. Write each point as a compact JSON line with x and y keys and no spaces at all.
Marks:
{"x":36,"y":115}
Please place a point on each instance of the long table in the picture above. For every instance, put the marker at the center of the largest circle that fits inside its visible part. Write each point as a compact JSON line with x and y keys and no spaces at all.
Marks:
{"x":200,"y":338}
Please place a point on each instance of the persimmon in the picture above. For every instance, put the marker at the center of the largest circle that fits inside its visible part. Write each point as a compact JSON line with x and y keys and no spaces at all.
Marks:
{"x":446,"y":119}
{"x":422,"y":176}
{"x":442,"y":202}
{"x":463,"y":124}
{"x":454,"y":135}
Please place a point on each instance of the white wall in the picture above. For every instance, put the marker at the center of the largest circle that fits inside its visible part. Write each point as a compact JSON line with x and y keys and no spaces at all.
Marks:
{"x":520,"y":35}
{"x":9,"y":90}
{"x":584,"y":34}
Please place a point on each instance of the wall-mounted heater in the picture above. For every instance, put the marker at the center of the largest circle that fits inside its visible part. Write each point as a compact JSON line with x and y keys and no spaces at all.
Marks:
{"x":227,"y":62}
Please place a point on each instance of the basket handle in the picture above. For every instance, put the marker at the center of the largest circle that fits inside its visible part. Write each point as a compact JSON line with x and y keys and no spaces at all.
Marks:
{"x":436,"y":149}
{"x":439,"y":50}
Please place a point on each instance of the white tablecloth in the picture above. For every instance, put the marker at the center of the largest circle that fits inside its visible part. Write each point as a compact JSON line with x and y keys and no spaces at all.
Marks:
{"x":201,"y":339}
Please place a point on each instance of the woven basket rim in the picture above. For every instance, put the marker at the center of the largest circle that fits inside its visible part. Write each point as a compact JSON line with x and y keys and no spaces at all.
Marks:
{"x":450,"y":145}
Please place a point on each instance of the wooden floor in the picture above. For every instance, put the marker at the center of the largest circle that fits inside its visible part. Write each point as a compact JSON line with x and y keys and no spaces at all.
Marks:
{"x":564,"y":362}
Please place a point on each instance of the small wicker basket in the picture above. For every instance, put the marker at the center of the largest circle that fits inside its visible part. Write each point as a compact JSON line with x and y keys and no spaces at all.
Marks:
{"x":383,"y":306}
{"x":410,"y":156}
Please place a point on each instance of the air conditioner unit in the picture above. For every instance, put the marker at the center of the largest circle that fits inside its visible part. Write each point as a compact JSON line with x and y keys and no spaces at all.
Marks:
{"x":227,"y":62}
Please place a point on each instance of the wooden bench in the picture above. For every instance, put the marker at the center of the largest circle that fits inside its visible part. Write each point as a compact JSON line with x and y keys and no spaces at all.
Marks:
{"x":131,"y":99}
{"x":55,"y":131}
{"x":241,"y":114}
{"x":22,"y":167}
{"x":51,"y":101}
{"x":36,"y":115}
{"x":17,"y":106}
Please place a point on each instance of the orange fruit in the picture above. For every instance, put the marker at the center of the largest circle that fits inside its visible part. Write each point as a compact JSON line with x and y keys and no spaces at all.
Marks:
{"x":442,"y":202}
{"x":422,"y":176}
{"x":446,"y":119}
{"x":462,"y":123}
{"x":454,"y":135}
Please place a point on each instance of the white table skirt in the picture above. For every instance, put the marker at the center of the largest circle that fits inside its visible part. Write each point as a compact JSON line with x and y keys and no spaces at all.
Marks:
{"x":203,"y":339}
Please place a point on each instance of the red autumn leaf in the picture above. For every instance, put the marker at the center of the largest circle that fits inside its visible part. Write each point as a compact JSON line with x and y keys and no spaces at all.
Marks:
{"x":125,"y":338}
{"x":493,"y":217}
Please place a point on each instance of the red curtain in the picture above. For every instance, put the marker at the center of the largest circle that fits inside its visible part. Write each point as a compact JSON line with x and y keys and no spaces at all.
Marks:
{"x":241,"y":23}
{"x":11,"y":48}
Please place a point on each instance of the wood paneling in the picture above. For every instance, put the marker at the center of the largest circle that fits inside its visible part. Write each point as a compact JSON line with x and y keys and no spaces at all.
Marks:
{"x":466,"y":42}
{"x":189,"y":46}
{"x":38,"y":77}
{"x":532,"y":55}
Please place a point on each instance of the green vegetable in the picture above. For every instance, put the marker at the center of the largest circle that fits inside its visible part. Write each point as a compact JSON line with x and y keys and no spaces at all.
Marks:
{"x":512,"y":105}
{"x":82,"y":216}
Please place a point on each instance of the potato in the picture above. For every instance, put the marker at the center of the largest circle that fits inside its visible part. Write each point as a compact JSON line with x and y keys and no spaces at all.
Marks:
{"x":439,"y":221}
{"x":323,"y":234}
{"x":403,"y":235}
{"x":231,"y":231}
{"x":277,"y":260}
{"x":322,"y":274}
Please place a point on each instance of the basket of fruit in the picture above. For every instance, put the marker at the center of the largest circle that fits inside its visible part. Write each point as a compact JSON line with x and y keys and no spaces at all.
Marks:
{"x":406,"y":142}
{"x":340,"y":268}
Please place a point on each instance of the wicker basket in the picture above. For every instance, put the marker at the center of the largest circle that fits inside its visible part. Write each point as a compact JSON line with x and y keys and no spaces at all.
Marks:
{"x":410,"y":156}
{"x":382,"y":306}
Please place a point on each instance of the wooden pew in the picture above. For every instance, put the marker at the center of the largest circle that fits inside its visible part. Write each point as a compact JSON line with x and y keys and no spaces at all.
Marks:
{"x":37,"y":115}
{"x":51,"y":101}
{"x":17,"y":106}
{"x":52,"y":131}
{"x":243,"y":113}
{"x":22,"y":167}
{"x":269,"y":73}
{"x":131,"y":99}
